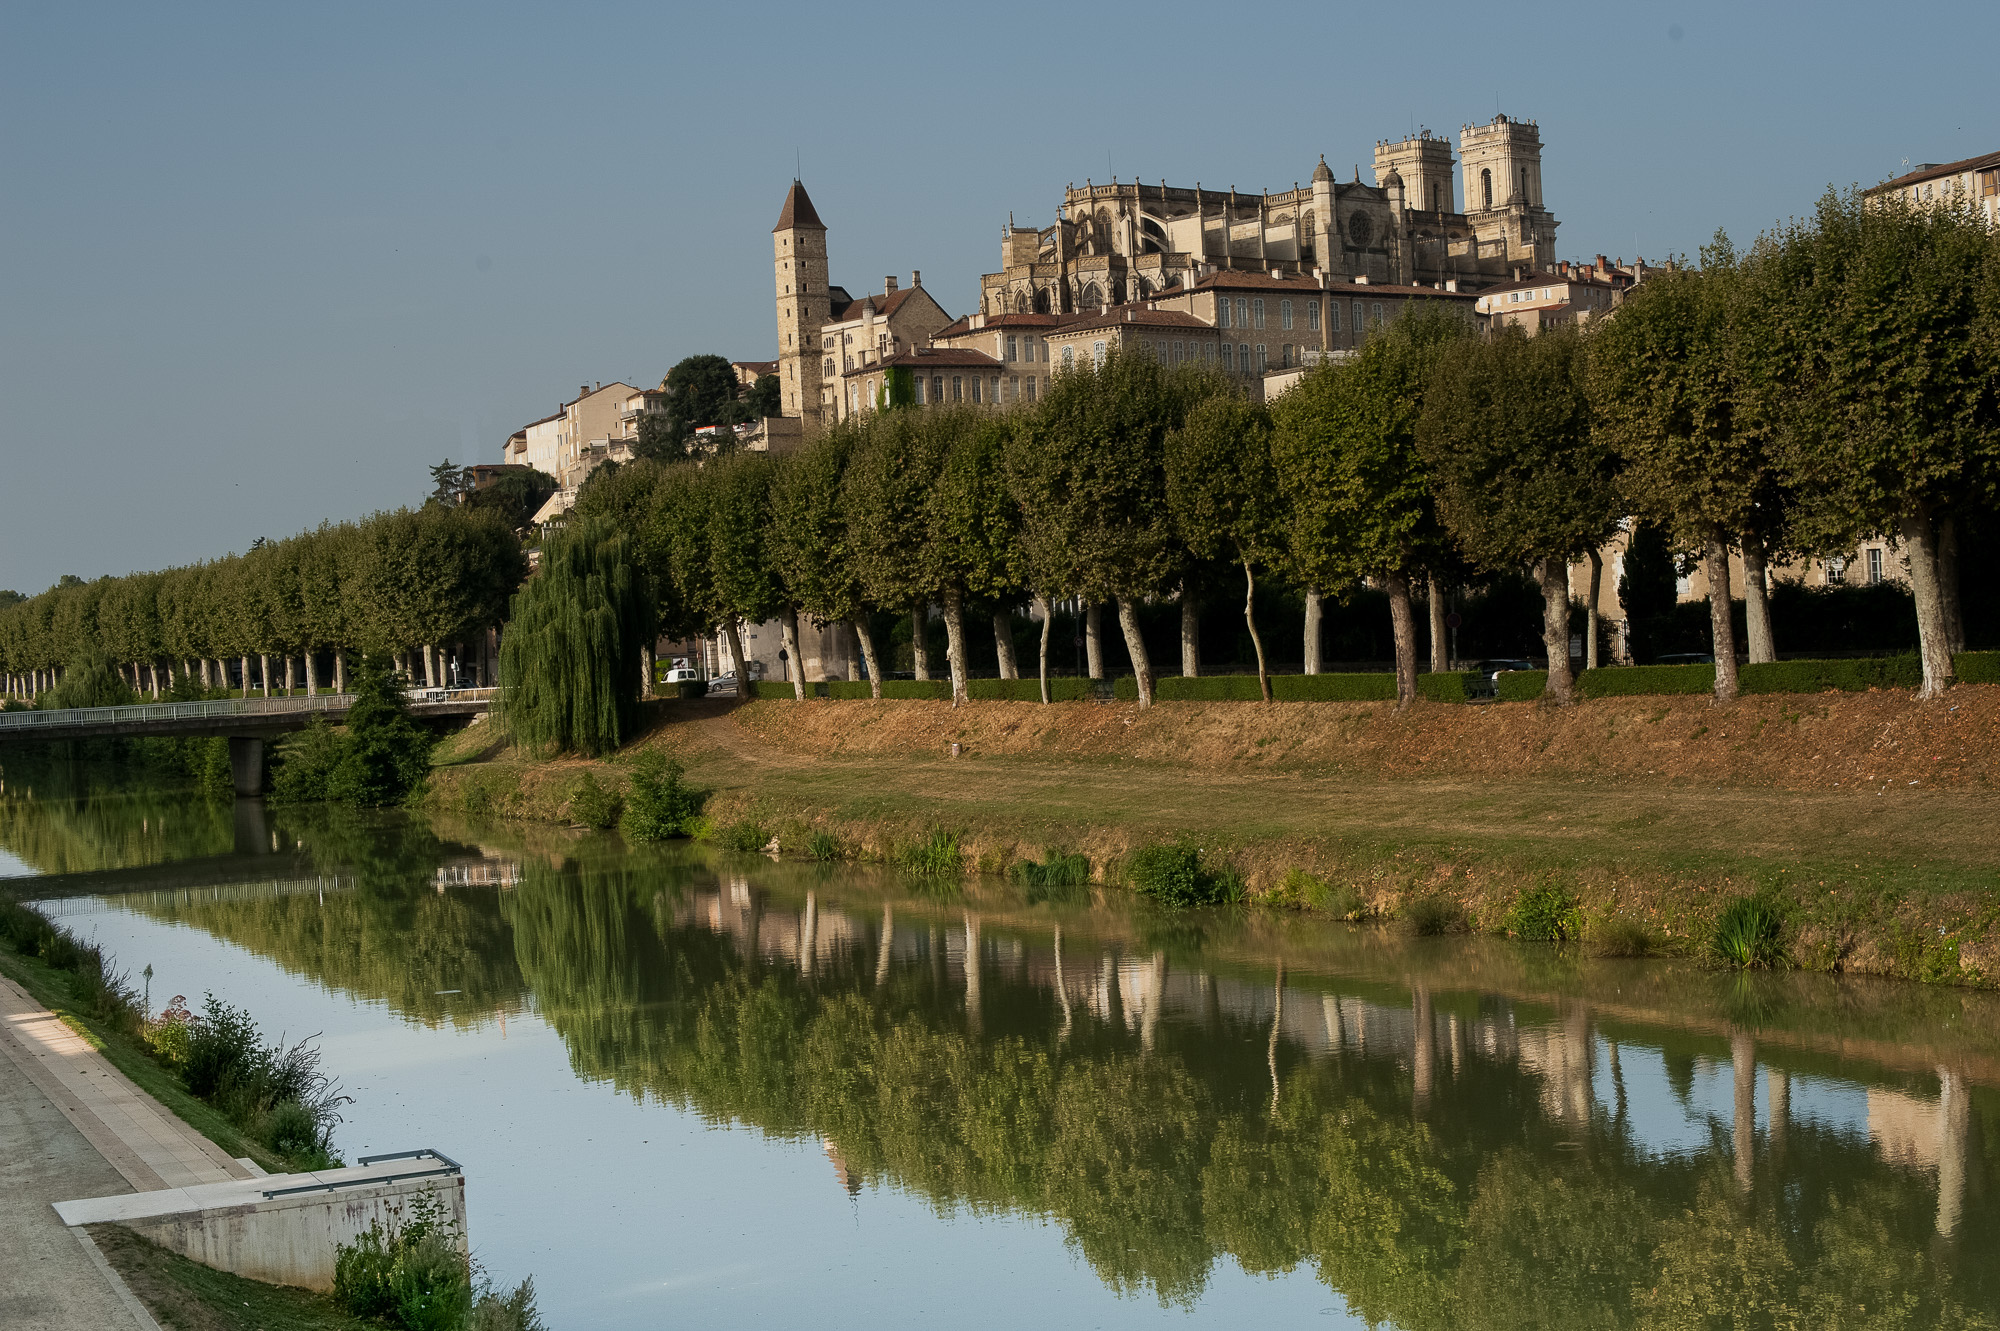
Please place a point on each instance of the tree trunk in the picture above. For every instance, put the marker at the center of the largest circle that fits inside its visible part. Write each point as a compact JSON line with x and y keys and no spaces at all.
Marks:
{"x":1048,"y":627}
{"x":1554,"y":574}
{"x":954,"y":636}
{"x":433,"y":666}
{"x":1403,"y":629}
{"x":264,"y":672}
{"x":1440,"y":653}
{"x":1920,"y":550}
{"x":246,"y":676}
{"x":1135,"y":647}
{"x":1947,"y":572}
{"x":204,"y":674}
{"x":920,"y":645}
{"x":646,"y":671}
{"x":1003,"y":644}
{"x":1190,"y":634}
{"x":866,"y":637}
{"x":1256,"y":639}
{"x":789,"y":625}
{"x":1093,"y":639}
{"x":339,"y":671}
{"x":1590,"y":608}
{"x":1722,"y":630}
{"x":291,"y":675}
{"x":1757,"y":601}
{"x":311,"y":670}
{"x":736,"y":655}
{"x":1315,"y":615}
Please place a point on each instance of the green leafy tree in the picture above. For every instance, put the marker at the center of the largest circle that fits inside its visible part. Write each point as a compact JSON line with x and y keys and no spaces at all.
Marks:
{"x":1519,"y":476}
{"x":744,"y":583}
{"x":516,"y":495}
{"x":811,"y":545}
{"x":1224,"y":497}
{"x":449,"y":484}
{"x":1875,"y":328}
{"x":700,"y":391}
{"x":1647,"y":587}
{"x":764,"y":398}
{"x":569,"y":661}
{"x":1346,"y":455}
{"x":1088,"y":468}
{"x":387,"y":754}
{"x":1666,"y":387}
{"x":898,"y":459}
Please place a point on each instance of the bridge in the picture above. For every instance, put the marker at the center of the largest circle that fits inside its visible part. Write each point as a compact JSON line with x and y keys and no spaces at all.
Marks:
{"x":247,"y":722}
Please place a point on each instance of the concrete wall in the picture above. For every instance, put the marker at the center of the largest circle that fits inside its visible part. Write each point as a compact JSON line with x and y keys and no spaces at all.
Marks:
{"x":287,"y":1240}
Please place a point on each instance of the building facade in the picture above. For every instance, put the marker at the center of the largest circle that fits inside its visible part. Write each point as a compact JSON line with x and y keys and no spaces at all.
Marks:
{"x":1974,"y":182}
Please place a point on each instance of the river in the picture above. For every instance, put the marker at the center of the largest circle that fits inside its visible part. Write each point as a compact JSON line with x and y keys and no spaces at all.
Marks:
{"x":703,"y":1089}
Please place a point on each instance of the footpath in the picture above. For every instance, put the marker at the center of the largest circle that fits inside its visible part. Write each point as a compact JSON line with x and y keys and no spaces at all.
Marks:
{"x":72,"y":1125}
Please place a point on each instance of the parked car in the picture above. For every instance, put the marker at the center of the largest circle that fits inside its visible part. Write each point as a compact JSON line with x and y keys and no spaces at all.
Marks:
{"x":723,"y":684}
{"x":677,"y":674}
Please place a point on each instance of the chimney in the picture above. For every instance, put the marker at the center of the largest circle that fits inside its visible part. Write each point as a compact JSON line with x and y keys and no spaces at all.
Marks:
{"x":889,"y":285}
{"x":916,"y":277}
{"x":583,"y":391}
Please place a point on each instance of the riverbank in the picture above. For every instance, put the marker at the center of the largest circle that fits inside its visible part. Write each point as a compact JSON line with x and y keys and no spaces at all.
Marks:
{"x":1869,"y":816}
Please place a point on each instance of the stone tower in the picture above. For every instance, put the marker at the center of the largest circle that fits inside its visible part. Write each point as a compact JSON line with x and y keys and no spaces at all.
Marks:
{"x":798,"y":251}
{"x":1503,"y":190}
{"x":1424,"y":162}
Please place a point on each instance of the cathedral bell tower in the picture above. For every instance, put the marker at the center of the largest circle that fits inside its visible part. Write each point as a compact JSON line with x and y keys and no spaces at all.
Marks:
{"x":1503,"y":190}
{"x":798,"y":251}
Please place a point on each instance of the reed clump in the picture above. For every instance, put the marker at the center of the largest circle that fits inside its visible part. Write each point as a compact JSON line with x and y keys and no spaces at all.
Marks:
{"x":936,"y":855}
{"x":1432,"y":916}
{"x":1750,"y":932}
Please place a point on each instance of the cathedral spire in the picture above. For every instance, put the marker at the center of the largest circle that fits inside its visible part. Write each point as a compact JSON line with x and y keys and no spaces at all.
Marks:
{"x":799,"y":214}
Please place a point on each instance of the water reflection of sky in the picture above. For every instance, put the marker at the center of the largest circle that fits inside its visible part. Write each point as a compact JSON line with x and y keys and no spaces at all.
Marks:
{"x":641,"y":1214}
{"x":1663,"y":1124}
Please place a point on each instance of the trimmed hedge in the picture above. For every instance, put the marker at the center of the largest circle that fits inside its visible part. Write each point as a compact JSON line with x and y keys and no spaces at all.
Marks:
{"x":1522,"y":685}
{"x":1445,"y":685}
{"x":1625,"y":681}
{"x":1977,"y":667}
{"x":1857,"y":676}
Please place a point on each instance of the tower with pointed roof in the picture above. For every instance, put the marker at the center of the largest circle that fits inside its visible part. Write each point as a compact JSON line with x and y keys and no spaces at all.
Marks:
{"x":798,"y":251}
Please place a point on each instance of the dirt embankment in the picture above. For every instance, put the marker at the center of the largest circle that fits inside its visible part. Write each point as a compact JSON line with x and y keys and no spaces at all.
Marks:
{"x":1814,"y":742}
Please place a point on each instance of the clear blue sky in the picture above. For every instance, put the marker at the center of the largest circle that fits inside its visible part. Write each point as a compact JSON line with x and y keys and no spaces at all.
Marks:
{"x":264,"y":264}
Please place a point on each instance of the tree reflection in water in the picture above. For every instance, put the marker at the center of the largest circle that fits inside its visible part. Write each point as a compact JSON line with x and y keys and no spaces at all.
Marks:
{"x":1444,"y":1136}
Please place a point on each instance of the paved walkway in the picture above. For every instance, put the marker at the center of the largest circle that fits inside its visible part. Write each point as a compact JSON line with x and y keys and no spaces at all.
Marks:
{"x":71,"y":1125}
{"x":150,"y":1147}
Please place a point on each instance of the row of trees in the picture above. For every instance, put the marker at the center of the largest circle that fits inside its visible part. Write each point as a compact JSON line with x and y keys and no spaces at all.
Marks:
{"x":405,"y":581}
{"x":1835,"y":383}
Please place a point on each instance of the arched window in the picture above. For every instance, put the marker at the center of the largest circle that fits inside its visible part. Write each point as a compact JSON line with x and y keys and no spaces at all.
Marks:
{"x":1069,"y":358}
{"x":1092,"y":296}
{"x":1041,"y":301}
{"x":1524,"y":186}
{"x":1486,"y":188}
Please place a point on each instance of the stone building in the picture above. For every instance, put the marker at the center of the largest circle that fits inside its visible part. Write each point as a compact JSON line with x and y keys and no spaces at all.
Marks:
{"x":1122,"y":242}
{"x":1974,"y":181}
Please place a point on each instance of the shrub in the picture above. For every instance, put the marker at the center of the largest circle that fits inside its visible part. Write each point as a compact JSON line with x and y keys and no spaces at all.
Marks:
{"x":1175,"y":873}
{"x":1059,"y":876}
{"x":1521,"y":685}
{"x":414,"y":1274}
{"x":361,"y":1273}
{"x":1855,"y":676}
{"x":1545,"y":914}
{"x":100,"y":989}
{"x":591,"y":804}
{"x":744,"y":834}
{"x":824,"y":847}
{"x":1623,"y":936}
{"x":291,"y":1129}
{"x":1430,"y":916}
{"x":305,"y":762}
{"x":1308,"y":891}
{"x":228,"y":1065}
{"x":658,"y":803}
{"x":1750,"y":932}
{"x":934,"y":690}
{"x":937,"y":855}
{"x":167,"y":1034}
{"x":1626,"y":681}
{"x":512,"y":1311}
{"x":223,"y":1050}
{"x":432,"y":1283}
{"x":1445,"y":685}
{"x":388,"y":754}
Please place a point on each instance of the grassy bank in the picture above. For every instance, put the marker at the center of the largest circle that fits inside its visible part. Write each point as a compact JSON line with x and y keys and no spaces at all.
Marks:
{"x":1867,"y":819}
{"x":188,"y":1296}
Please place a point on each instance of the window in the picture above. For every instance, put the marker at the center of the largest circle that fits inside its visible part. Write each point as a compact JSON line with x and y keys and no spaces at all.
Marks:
{"x":1228,"y":358}
{"x":1222,"y":312}
{"x":1312,"y":316}
{"x":1208,"y":351}
{"x":958,"y":388}
{"x":1285,"y":355}
{"x":1014,"y":388}
{"x":975,"y":388}
{"x":1069,"y":358}
{"x":1375,"y":314}
{"x":1486,"y":189}
{"x":1360,"y":318}
{"x":919,"y":386}
{"x":1257,"y":312}
{"x":1989,"y":183}
{"x":1524,"y":186}
{"x":829,"y":367}
{"x":1875,"y":564}
{"x":1013,"y":348}
{"x":1031,"y":388}
{"x":937,"y":388}
{"x":1333,"y":316}
{"x":853,"y":398}
{"x":1097,"y":354}
{"x":1284,"y":314}
{"x":1243,"y":357}
{"x":994,"y":395}
{"x":1263,"y":362}
{"x":1242,"y":312}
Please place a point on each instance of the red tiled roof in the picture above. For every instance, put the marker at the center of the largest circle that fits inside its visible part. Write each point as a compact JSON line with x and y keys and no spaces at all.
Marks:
{"x":962,"y":327}
{"x":885,"y":305}
{"x":930,"y":358}
{"x":1133,"y":316}
{"x":1543,"y":280}
{"x":1923,"y":173}
{"x":798,"y":213}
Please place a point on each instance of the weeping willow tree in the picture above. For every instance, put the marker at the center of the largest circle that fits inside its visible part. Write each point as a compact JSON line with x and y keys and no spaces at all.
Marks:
{"x":569,"y":661}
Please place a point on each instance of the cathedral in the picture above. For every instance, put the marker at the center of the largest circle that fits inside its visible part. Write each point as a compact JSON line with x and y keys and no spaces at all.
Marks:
{"x":1404,"y":235}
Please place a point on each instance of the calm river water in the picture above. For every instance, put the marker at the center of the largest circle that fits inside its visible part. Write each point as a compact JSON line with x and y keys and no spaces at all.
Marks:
{"x":705,"y":1090}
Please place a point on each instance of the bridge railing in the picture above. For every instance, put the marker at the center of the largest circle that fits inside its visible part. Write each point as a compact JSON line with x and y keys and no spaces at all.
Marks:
{"x":220,"y":709}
